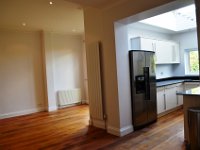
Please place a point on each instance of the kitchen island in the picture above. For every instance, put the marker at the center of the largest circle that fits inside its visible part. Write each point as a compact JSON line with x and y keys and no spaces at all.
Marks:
{"x":191,"y":98}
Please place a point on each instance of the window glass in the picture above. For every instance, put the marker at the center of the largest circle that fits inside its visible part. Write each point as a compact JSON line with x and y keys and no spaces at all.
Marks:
{"x":193,"y":61}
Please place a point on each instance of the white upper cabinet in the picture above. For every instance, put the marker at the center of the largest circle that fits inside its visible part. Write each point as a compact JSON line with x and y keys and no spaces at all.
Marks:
{"x":139,"y":43}
{"x":167,"y":52}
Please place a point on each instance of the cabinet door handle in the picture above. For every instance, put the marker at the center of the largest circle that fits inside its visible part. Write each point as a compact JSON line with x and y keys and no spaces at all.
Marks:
{"x":176,"y":98}
{"x":164,"y":102}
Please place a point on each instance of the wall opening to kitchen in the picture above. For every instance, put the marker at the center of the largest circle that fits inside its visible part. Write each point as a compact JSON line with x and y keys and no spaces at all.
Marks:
{"x":172,"y":34}
{"x":174,"y":43}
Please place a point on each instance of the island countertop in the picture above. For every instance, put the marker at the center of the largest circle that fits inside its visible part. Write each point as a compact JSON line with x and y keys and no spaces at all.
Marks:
{"x":191,"y":98}
{"x":191,"y":92}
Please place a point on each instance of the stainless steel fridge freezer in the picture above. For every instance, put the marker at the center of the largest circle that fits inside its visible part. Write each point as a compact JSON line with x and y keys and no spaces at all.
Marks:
{"x":143,"y":87}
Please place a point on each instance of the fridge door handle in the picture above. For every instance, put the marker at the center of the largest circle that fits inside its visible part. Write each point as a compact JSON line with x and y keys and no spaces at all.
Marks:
{"x":147,"y":85}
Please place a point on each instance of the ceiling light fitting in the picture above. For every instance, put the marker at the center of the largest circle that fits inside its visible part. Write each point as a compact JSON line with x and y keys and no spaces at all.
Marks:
{"x":23,"y":24}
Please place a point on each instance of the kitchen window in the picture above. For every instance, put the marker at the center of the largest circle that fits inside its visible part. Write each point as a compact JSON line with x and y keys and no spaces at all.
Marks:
{"x":192,"y":61}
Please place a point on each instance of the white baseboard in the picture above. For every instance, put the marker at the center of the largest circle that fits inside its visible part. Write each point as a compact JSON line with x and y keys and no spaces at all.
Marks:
{"x":52,"y":108}
{"x":98,"y":123}
{"x":84,"y":101}
{"x":22,"y":112}
{"x":70,"y":105}
{"x":126,"y":130}
{"x":120,"y":132}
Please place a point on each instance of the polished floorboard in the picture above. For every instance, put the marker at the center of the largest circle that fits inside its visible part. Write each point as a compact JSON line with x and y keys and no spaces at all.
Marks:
{"x":68,"y":129}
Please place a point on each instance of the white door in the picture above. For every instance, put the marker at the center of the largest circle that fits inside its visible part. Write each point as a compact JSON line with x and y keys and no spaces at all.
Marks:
{"x":140,"y":43}
{"x":170,"y":95}
{"x":163,"y":52}
{"x":167,"y":52}
{"x":160,"y":100}
{"x":147,"y":44}
{"x":175,"y":52}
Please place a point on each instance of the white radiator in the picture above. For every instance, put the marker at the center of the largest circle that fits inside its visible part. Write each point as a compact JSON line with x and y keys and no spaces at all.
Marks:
{"x":94,"y":81}
{"x":68,"y":97}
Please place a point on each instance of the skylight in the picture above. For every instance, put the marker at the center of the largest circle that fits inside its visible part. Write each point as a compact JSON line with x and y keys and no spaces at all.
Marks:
{"x":177,"y":20}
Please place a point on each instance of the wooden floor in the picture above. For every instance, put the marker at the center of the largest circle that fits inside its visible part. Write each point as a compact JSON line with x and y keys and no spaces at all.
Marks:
{"x":68,"y":129}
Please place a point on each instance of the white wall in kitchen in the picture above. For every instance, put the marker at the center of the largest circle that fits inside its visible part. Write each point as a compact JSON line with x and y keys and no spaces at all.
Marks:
{"x":123,"y":74}
{"x":187,"y":40}
{"x":135,"y":31}
{"x":164,"y":71}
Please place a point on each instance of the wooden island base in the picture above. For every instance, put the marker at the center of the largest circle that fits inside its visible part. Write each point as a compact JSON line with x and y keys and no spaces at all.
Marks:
{"x":189,"y":101}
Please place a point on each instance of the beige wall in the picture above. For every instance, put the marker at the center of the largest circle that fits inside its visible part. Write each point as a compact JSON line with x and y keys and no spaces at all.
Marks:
{"x":63,"y":56}
{"x":99,"y":26}
{"x":21,"y":74}
{"x":68,"y":62}
{"x":23,"y":65}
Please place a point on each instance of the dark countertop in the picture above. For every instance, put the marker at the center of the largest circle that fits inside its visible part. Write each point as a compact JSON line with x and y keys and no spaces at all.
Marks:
{"x":168,"y":82}
{"x":191,"y":92}
{"x":174,"y":80}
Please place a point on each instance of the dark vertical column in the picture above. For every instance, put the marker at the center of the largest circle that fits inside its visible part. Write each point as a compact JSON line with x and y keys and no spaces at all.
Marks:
{"x":197,"y":3}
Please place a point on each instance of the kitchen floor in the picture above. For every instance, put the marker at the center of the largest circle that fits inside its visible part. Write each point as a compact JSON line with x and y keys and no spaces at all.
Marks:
{"x":68,"y":129}
{"x":166,"y":134}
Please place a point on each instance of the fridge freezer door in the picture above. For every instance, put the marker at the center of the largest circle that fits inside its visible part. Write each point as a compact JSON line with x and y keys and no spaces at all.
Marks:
{"x":139,"y":106}
{"x":152,"y":102}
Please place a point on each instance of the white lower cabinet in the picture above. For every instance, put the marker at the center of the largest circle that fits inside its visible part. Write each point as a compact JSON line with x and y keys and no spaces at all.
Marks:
{"x":179,"y":88}
{"x":161,"y":105}
{"x":170,"y":97}
{"x":167,"y":98}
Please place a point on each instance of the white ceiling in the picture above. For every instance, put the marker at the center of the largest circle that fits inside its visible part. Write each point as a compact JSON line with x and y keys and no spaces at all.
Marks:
{"x":177,"y":20}
{"x":95,"y":3}
{"x":142,"y":26}
{"x":62,"y":16}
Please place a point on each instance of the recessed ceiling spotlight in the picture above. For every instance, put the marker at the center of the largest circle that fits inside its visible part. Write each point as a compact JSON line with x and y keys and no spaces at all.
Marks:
{"x":24,"y":24}
{"x":51,"y":3}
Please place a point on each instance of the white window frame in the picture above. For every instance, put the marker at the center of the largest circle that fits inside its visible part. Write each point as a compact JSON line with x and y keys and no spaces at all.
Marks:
{"x":187,"y":63}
